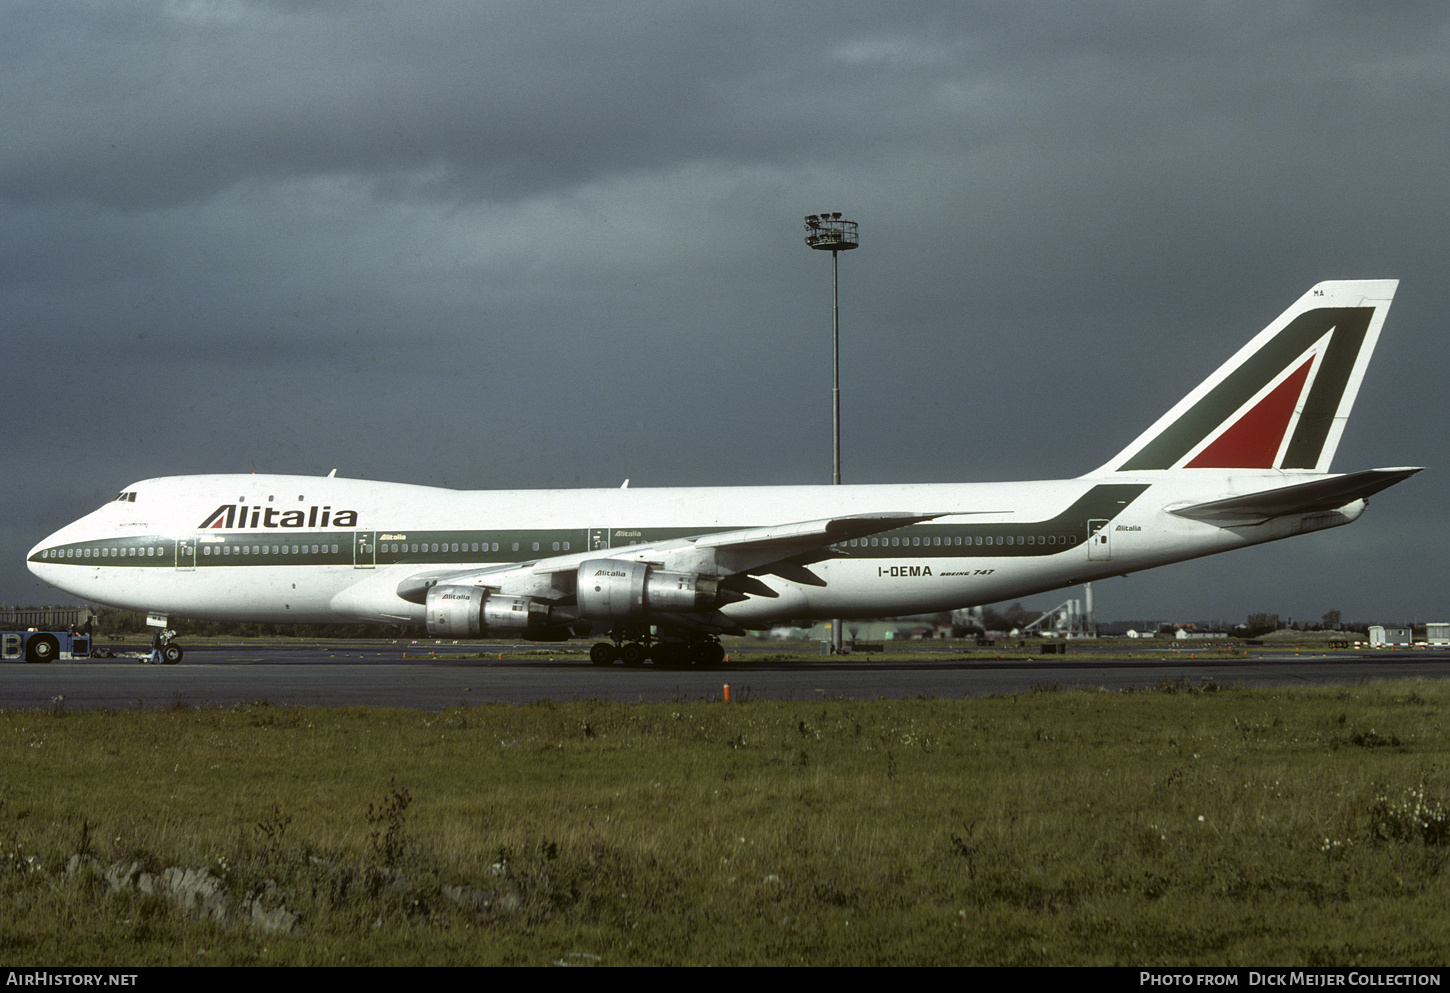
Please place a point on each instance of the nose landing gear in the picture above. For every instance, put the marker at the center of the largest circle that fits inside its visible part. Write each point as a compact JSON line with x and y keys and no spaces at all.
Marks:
{"x":164,"y":651}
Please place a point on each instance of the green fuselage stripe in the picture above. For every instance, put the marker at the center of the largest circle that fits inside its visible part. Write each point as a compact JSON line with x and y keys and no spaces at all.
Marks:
{"x":212,"y":549}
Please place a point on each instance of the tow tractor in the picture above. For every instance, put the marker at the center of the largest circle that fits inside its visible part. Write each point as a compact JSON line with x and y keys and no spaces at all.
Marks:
{"x":45,"y":634}
{"x":63,"y":634}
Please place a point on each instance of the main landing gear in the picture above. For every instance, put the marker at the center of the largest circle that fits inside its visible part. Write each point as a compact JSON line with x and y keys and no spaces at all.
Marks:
{"x":630,"y":653}
{"x":633,"y":647}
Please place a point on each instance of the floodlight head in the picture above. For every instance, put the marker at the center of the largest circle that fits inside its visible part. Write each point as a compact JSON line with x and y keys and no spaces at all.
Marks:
{"x":829,"y":233}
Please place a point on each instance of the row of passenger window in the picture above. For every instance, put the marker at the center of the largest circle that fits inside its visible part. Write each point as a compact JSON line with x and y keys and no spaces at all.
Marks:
{"x":268,"y":549}
{"x":399,"y":548}
{"x":129,"y":552}
{"x":150,"y":551}
{"x":1031,"y":539}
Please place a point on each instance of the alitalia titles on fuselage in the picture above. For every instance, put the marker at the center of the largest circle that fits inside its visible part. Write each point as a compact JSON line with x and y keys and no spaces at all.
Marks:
{"x":231,"y":515}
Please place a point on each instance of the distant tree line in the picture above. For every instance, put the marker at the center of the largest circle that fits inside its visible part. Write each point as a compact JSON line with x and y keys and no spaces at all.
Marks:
{"x":1258,"y":624}
{"x":1013,"y":618}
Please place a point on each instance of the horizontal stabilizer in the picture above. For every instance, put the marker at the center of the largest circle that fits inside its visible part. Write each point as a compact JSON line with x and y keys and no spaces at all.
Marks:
{"x":1301,"y":498}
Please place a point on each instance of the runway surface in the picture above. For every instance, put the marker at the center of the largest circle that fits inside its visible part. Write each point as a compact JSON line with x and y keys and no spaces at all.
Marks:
{"x":326,"y":676}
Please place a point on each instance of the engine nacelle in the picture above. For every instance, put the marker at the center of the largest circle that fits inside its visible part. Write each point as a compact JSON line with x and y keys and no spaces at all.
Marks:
{"x":616,"y":590}
{"x":464,"y":611}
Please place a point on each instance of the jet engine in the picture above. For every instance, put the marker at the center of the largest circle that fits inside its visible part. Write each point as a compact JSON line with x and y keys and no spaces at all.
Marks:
{"x":615,"y":590}
{"x":462,"y":611}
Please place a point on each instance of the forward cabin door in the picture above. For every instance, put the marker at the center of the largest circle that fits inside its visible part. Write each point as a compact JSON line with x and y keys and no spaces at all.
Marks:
{"x":364,"y":550}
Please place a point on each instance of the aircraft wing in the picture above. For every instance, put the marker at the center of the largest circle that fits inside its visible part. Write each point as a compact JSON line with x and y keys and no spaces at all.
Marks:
{"x":1300,"y":498}
{"x":784,"y":549}
{"x":823,"y":532}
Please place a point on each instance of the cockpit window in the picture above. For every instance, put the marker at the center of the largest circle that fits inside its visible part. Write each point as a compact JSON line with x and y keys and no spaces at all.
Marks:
{"x":129,"y":497}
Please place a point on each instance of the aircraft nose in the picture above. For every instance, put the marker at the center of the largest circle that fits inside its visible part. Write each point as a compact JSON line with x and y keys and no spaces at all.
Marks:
{"x":37,"y":563}
{"x":45,"y":560}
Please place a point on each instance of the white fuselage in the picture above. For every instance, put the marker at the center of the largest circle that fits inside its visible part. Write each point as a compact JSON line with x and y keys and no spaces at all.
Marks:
{"x":307,"y":549}
{"x":1242,"y":459}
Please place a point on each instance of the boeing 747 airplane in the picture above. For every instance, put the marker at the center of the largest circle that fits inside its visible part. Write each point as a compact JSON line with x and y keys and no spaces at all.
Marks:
{"x":661,"y":573}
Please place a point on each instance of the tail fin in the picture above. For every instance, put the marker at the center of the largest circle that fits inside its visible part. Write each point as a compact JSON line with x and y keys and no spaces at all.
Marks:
{"x":1282,"y":401}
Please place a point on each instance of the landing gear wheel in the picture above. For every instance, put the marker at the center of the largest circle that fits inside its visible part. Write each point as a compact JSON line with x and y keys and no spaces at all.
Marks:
{"x":42,"y":648}
{"x":171,"y":654}
{"x":711,"y":653}
{"x":632,"y":653}
{"x":603,"y":654}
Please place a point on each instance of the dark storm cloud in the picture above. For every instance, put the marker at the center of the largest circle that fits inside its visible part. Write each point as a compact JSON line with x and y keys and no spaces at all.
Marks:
{"x":558,"y":244}
{"x":141,"y":105}
{"x":180,"y":101}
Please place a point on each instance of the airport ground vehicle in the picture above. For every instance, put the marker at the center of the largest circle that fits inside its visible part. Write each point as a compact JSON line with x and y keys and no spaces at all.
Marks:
{"x":45,"y":634}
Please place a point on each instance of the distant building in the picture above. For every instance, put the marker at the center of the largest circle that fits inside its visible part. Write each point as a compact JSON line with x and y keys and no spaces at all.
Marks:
{"x":1380,"y":635}
{"x":873,"y":631}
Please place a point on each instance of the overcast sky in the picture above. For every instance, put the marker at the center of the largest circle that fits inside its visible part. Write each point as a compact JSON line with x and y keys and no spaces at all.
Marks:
{"x":526,"y":245}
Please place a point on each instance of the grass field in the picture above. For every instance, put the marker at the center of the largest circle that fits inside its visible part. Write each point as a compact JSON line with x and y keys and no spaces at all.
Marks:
{"x":1178,"y":826}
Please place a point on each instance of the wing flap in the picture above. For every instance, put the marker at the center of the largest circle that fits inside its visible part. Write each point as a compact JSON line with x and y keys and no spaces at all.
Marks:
{"x":825,"y":532}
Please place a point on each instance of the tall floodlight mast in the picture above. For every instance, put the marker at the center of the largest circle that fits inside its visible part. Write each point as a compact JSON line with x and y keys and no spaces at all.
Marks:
{"x":828,"y":233}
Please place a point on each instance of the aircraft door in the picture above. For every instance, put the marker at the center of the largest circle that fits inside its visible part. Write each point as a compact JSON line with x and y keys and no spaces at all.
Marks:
{"x":186,"y":555}
{"x":1099,"y":548}
{"x":364,"y":550}
{"x":598,"y":539}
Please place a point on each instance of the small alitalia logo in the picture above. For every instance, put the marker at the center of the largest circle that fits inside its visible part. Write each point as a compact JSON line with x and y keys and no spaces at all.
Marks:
{"x":231,"y":515}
